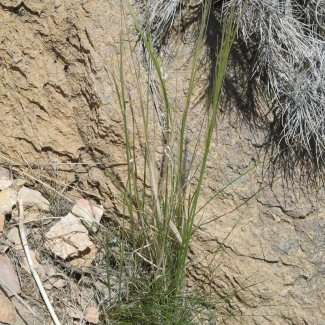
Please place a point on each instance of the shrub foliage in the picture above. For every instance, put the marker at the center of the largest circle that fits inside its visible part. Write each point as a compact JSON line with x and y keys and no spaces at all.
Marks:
{"x":289,"y":39}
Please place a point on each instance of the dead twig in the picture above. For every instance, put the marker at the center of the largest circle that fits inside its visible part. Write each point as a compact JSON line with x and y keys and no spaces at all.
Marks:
{"x":31,"y":266}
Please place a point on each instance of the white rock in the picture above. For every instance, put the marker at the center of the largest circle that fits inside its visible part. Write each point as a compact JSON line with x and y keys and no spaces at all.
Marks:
{"x":8,"y":198}
{"x":68,"y":238}
{"x":88,"y":211}
{"x":92,"y":315}
{"x":8,"y":276}
{"x":5,"y":180}
{"x":7,"y":310}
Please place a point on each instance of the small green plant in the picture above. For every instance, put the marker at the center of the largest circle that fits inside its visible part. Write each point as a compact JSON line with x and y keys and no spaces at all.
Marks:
{"x":154,"y":249}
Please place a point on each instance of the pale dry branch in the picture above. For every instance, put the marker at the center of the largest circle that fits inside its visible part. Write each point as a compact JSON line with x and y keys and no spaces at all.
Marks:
{"x":31,"y":265}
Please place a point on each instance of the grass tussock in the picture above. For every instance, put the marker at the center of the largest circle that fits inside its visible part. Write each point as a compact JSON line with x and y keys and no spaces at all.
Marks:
{"x":154,"y":249}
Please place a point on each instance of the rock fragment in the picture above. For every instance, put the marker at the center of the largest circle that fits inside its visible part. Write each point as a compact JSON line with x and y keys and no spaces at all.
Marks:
{"x":3,"y":248}
{"x":47,"y":285}
{"x":13,"y":236}
{"x":9,"y":277}
{"x":41,"y":272}
{"x":18,"y":184}
{"x":50,"y":270}
{"x":89,"y":213}
{"x":19,"y":247}
{"x":68,"y":238}
{"x":8,"y":199}
{"x":92,"y":315}
{"x":25,"y":263}
{"x":35,"y":205}
{"x":2,"y":222}
{"x":75,"y":313}
{"x":58,"y":283}
{"x":5,"y":179}
{"x":86,"y":260}
{"x":7,"y":310}
{"x":33,"y":198}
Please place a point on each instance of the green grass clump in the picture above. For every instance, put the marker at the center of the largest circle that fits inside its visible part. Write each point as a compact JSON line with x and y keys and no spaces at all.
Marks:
{"x":155,"y":248}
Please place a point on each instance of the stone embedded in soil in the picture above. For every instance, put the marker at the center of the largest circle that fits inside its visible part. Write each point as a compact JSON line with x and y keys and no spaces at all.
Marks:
{"x":25,"y":317}
{"x":86,"y":260}
{"x":75,"y":313}
{"x":5,"y":180}
{"x":18,"y":183}
{"x":13,"y":236}
{"x":83,"y":298}
{"x":92,"y":315}
{"x":8,"y":198}
{"x":88,"y":211}
{"x":58,"y":283}
{"x":41,"y":272}
{"x":50,"y":270}
{"x":47,"y":285}
{"x":19,"y":247}
{"x":2,"y":222}
{"x":68,"y":238}
{"x":7,"y":310}
{"x":73,"y":322}
{"x":34,"y":204}
{"x":25,"y":263}
{"x":8,"y":276}
{"x":3,"y":248}
{"x":33,"y":198}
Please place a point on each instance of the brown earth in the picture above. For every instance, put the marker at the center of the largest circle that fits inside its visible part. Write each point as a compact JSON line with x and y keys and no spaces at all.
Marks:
{"x":58,"y":105}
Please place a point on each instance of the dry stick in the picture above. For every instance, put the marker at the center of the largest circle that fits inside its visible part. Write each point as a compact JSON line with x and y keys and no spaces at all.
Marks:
{"x":31,"y":266}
